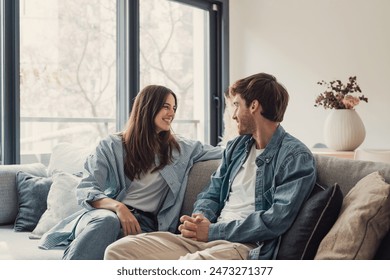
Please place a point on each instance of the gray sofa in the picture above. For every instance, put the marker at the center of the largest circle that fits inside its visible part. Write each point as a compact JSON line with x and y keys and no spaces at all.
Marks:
{"x":17,"y":245}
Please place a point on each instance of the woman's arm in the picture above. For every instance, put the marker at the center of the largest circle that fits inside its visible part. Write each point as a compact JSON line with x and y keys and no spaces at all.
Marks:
{"x":128,"y":221}
{"x":103,"y":173}
{"x":102,"y":182}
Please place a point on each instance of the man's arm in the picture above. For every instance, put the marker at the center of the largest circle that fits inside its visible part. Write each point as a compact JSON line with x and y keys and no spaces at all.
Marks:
{"x":208,"y":202}
{"x":294,"y":184}
{"x":211,"y":200}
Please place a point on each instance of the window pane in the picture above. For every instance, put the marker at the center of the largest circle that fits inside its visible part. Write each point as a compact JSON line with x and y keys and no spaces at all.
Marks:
{"x":67,"y":73}
{"x":174,"y":53}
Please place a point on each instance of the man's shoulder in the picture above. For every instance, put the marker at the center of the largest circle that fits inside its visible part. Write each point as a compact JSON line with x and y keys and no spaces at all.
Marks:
{"x":294,"y":144}
{"x":294,"y":149}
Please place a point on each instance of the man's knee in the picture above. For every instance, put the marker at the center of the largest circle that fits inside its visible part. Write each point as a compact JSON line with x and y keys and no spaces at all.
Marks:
{"x":219,"y":250}
{"x":111,"y":252}
{"x":119,"y":250}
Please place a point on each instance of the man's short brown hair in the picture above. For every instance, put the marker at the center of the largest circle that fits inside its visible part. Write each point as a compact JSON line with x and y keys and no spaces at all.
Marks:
{"x":264,"y":88}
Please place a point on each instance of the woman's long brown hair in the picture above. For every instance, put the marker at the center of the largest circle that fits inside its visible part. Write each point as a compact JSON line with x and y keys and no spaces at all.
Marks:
{"x":141,"y":142}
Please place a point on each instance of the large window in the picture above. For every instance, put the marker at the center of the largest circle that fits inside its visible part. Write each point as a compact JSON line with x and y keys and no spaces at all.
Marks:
{"x":70,"y":69}
{"x":67,"y":73}
{"x":174,"y":51}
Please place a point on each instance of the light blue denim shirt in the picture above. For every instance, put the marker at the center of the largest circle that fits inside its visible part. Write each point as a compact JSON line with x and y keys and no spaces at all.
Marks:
{"x":285,"y":176}
{"x":104,"y":177}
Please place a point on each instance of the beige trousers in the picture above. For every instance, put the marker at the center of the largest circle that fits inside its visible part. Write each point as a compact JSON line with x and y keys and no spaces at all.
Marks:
{"x":168,"y":246}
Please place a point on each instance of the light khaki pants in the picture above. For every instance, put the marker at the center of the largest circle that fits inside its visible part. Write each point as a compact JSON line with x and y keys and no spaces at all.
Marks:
{"x":168,"y":246}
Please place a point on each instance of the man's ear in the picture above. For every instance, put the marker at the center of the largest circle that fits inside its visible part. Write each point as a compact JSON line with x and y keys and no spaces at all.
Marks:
{"x":254,"y":105}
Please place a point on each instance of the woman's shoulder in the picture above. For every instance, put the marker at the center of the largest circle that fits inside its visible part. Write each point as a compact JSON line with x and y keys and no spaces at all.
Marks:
{"x":190,"y":146}
{"x":187,"y":145}
{"x":114,"y":137}
{"x":111,"y":141}
{"x":184,"y":140}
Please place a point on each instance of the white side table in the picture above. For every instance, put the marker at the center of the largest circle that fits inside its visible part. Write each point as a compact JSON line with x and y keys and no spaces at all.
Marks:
{"x":333,"y":153}
{"x":377,"y":155}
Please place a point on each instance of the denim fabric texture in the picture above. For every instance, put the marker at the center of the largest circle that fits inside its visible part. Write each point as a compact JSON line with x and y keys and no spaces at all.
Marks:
{"x":286,"y":175}
{"x":104,"y":177}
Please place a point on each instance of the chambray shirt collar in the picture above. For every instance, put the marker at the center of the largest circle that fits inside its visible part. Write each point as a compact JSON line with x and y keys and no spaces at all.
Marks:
{"x":270,"y":150}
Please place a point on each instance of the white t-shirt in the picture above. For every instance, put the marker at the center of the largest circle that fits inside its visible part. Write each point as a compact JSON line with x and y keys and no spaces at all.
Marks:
{"x":241,"y":201}
{"x":147,"y":193}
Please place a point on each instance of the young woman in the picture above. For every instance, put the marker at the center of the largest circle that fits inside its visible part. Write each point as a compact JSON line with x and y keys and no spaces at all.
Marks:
{"x":134,"y":181}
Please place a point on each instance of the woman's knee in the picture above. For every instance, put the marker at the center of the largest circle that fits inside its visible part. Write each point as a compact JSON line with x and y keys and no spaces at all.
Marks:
{"x":102,"y":219}
{"x":108,"y":221}
{"x":108,"y":218}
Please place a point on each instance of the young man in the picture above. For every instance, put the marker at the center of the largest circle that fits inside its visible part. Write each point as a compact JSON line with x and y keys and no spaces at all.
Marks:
{"x":253,"y":198}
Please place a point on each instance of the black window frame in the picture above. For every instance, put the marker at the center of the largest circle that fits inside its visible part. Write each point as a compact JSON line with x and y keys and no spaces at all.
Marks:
{"x":9,"y":88}
{"x":127,"y":68}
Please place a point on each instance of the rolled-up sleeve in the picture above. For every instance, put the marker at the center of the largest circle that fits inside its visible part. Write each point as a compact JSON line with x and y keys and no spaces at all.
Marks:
{"x":102,"y":174}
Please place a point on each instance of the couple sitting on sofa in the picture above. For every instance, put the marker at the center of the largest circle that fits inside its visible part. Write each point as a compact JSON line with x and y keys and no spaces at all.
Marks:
{"x":134,"y":183}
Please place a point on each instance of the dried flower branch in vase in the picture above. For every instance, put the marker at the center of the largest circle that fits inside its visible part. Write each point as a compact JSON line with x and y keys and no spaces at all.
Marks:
{"x":339,"y":96}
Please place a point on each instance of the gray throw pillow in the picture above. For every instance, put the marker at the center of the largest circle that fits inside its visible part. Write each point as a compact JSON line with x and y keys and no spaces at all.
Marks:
{"x":314,"y":220}
{"x":383,"y":252}
{"x":32,"y":197}
{"x":8,"y":192}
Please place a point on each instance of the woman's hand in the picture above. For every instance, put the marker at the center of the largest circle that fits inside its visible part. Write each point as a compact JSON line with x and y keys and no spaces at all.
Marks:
{"x":128,"y":221}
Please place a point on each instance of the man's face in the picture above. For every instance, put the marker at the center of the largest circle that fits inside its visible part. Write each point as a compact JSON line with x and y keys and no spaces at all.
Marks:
{"x":243,"y":116}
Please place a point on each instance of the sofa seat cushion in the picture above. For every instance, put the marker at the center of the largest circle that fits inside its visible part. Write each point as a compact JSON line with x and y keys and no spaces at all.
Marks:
{"x":18,"y":246}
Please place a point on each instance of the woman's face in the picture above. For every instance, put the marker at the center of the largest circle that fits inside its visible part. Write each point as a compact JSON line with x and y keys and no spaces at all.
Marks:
{"x":166,"y":115}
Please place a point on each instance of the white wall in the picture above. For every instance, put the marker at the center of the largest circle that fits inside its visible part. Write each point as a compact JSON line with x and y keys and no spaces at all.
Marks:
{"x":305,"y":41}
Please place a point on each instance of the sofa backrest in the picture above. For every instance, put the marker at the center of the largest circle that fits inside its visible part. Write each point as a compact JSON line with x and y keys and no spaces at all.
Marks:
{"x":330,"y":170}
{"x":198,"y":179}
{"x":347,"y":172}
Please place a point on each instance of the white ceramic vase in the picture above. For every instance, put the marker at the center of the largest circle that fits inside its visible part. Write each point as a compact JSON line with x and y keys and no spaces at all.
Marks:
{"x":344,"y":130}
